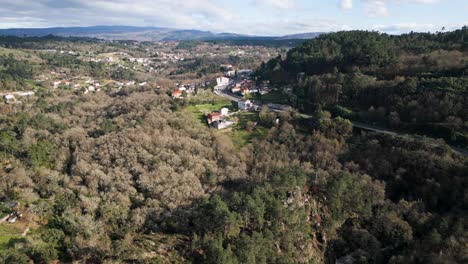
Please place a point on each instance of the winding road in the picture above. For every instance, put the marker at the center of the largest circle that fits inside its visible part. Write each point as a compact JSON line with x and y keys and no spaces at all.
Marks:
{"x":359,"y":125}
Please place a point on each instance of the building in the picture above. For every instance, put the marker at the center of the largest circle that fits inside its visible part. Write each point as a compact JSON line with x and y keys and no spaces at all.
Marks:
{"x":9,"y":99}
{"x":213,"y":117}
{"x":222,"y":124}
{"x":224,"y":111}
{"x":235,"y":89}
{"x":244,"y":105}
{"x":245,"y":91}
{"x":226,"y":66}
{"x":231,"y":73}
{"x":177,"y":94}
{"x":222,"y":81}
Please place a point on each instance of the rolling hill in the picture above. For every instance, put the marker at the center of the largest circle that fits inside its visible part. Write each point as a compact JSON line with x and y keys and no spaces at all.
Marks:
{"x":137,"y":33}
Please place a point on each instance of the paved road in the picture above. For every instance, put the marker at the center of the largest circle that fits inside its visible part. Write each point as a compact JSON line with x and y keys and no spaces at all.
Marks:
{"x":228,"y":96}
{"x":364,"y":126}
{"x":461,"y":151}
{"x":237,"y":99}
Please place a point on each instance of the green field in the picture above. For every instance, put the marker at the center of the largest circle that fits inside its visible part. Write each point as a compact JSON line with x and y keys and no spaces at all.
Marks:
{"x":239,"y":134}
{"x":8,"y":231}
{"x":200,"y":110}
{"x":275,"y":97}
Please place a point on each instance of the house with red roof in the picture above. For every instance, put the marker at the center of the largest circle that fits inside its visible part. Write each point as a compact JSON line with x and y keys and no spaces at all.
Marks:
{"x":177,"y":94}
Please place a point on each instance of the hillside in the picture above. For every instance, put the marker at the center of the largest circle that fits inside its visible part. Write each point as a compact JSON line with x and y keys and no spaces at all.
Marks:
{"x":416,"y":83}
{"x":107,"y":153}
{"x":137,"y":33}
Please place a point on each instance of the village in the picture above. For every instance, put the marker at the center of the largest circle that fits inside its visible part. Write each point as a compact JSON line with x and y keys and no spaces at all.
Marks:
{"x":216,"y":83}
{"x":164,"y":66}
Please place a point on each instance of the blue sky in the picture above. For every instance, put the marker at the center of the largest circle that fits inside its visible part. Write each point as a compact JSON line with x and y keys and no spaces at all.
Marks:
{"x":260,"y":17}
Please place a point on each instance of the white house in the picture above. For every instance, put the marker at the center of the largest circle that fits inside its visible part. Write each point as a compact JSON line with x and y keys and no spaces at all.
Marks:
{"x":230,"y":73}
{"x":224,"y":111}
{"x":9,"y":99}
{"x":222,"y":81}
{"x":244,"y":105}
{"x":222,"y":124}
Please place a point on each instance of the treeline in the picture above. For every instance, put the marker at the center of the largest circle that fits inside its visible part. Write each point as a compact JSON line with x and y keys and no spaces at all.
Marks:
{"x":203,"y":66}
{"x":257,"y":41}
{"x":45,"y":42}
{"x":414,"y":82}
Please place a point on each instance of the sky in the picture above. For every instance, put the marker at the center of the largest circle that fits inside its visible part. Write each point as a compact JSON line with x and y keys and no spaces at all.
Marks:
{"x":255,"y":17}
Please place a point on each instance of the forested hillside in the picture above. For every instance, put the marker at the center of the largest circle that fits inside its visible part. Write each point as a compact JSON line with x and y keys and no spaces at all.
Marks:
{"x":129,"y":174}
{"x":414,"y":82}
{"x":128,"y":169}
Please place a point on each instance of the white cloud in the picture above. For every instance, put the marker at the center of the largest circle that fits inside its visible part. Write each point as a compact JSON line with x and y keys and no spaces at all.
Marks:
{"x":346,"y":4}
{"x":199,"y":14}
{"x":283,"y":4}
{"x":377,"y":8}
{"x":259,"y":17}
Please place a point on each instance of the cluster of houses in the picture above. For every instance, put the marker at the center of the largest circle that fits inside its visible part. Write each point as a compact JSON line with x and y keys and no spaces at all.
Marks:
{"x":240,"y":81}
{"x":246,"y":105}
{"x":118,"y":58}
{"x":222,"y":83}
{"x":231,"y":72}
{"x":168,"y":56}
{"x":183,"y":88}
{"x":247,"y":86}
{"x":91,"y":85}
{"x":244,"y":87}
{"x":219,"y":119}
{"x":65,"y":83}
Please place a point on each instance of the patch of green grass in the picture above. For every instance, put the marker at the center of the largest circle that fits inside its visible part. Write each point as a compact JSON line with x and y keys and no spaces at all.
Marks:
{"x":7,"y":232}
{"x":239,"y":134}
{"x":275,"y":97}
{"x":241,"y":137}
{"x":199,"y":111}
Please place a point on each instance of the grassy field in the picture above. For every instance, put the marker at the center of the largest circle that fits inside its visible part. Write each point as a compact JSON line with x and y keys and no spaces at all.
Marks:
{"x":239,"y":134}
{"x":199,"y":111}
{"x":275,"y":97}
{"x":8,"y":231}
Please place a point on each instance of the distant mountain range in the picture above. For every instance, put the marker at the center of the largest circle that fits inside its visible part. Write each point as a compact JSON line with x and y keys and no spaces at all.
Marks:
{"x":138,"y":33}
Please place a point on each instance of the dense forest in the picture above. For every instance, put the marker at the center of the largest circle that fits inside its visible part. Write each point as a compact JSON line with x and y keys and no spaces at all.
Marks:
{"x":129,"y":168}
{"x":414,"y":82}
{"x":131,"y":176}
